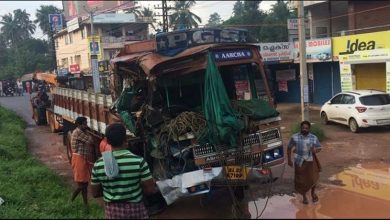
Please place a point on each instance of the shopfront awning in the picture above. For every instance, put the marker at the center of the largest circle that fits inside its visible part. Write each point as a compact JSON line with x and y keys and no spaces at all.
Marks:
{"x":128,"y":58}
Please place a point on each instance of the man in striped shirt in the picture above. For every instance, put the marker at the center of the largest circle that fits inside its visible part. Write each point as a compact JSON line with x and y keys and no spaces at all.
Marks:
{"x":121,"y":178}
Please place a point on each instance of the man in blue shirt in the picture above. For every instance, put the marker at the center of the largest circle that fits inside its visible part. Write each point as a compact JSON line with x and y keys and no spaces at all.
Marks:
{"x":307,"y":166}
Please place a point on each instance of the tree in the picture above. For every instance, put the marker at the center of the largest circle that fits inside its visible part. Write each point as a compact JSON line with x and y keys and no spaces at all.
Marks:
{"x":148,"y":13}
{"x":16,"y":27}
{"x":182,"y":17}
{"x":26,"y":26}
{"x":214,"y":20}
{"x":42,"y":17}
{"x":246,"y":14}
{"x":275,"y":29}
{"x":30,"y":55}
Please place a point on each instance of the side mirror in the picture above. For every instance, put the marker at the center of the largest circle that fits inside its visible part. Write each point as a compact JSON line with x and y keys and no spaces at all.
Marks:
{"x":329,"y":103}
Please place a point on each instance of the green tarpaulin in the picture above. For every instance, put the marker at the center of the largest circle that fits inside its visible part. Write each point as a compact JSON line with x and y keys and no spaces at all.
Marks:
{"x":255,"y":109}
{"x":223,"y":126}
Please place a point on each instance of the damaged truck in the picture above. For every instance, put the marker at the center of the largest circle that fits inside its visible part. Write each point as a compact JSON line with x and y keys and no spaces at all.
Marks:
{"x":197,"y":107}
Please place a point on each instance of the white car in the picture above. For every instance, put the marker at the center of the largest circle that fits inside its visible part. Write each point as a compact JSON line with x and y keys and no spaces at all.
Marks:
{"x":358,"y":109}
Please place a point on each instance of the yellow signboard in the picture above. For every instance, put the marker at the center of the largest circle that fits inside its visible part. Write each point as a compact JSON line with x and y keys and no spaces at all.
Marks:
{"x":360,"y":42}
{"x":364,"y":56}
{"x":95,"y":46}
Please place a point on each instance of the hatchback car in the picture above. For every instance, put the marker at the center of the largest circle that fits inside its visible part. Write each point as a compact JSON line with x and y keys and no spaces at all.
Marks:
{"x":358,"y":109}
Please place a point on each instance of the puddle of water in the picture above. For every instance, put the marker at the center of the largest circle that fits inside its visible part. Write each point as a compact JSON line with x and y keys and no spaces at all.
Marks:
{"x":277,"y":207}
{"x":364,"y":192}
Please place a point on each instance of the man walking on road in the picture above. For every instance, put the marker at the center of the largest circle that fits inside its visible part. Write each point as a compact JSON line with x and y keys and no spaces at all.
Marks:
{"x":82,"y":159}
{"x":121,"y":178}
{"x":307,"y":166}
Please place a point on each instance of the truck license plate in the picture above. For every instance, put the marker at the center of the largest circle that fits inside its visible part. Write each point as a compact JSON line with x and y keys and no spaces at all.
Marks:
{"x":235,"y":172}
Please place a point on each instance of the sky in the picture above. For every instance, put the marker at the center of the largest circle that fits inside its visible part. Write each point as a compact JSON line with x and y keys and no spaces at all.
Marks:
{"x":203,"y":8}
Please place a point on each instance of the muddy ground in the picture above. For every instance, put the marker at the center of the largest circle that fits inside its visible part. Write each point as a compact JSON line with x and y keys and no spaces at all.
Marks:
{"x":355,"y":181}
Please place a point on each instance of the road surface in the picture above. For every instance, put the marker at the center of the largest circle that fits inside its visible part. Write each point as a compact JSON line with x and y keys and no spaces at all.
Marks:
{"x":355,"y":182}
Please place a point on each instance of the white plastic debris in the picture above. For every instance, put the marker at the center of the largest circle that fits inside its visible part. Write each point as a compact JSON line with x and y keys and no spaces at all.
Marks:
{"x":1,"y":201}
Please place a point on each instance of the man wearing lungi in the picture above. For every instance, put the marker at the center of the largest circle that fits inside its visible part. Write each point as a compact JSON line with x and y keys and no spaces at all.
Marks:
{"x":307,"y":166}
{"x":122,"y":178}
{"x":82,"y":159}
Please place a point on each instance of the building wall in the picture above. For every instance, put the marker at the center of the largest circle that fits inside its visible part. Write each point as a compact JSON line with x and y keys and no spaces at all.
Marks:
{"x":75,"y":51}
{"x":377,"y":15}
{"x":328,"y":15}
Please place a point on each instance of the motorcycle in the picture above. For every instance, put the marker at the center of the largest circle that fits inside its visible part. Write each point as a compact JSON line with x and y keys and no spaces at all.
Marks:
{"x":9,"y":91}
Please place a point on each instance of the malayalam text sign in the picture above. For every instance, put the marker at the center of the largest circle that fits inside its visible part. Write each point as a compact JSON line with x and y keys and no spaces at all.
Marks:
{"x":280,"y":51}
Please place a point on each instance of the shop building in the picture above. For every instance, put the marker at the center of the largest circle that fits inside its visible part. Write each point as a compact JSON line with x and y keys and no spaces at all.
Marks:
{"x":364,"y":60}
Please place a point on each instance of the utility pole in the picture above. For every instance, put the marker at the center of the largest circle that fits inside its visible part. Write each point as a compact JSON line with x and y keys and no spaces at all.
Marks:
{"x":164,"y":15}
{"x":302,"y":62}
{"x":51,"y":37}
{"x":94,"y":57}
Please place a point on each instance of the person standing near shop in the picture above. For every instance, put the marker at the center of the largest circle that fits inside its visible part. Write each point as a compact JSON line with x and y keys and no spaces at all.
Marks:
{"x":307,"y":166}
{"x":121,"y":178}
{"x":82,"y":159}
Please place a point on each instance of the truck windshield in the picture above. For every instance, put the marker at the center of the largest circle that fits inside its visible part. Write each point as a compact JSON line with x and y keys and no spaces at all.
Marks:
{"x":242,"y":82}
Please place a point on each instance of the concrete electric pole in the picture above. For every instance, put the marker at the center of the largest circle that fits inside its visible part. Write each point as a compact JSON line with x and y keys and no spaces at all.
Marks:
{"x":94,"y":56}
{"x":302,"y":62}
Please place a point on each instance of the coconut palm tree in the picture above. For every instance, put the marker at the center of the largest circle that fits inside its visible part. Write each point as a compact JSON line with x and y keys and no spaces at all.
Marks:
{"x":42,"y":17}
{"x":148,"y":13}
{"x":26,"y":26}
{"x":10,"y":29}
{"x":16,"y":27}
{"x":182,"y":17}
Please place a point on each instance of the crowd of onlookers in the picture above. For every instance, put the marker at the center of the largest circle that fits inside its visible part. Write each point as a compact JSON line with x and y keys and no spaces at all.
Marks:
{"x":18,"y":87}
{"x":11,"y":87}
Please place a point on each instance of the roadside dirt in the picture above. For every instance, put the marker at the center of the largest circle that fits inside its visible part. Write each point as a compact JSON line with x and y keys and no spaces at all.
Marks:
{"x":341,"y":151}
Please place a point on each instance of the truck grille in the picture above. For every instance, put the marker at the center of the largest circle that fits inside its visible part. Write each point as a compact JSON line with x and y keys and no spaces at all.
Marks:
{"x":251,"y":139}
{"x":270,"y":135}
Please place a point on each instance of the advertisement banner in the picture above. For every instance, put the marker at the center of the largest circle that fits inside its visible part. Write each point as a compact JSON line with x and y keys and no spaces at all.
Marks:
{"x":346,"y":77}
{"x":55,"y":21}
{"x":72,"y":25}
{"x":242,"y":89}
{"x":283,"y":86}
{"x":317,"y":50}
{"x":74,"y":68}
{"x":366,"y":56}
{"x":73,"y":9}
{"x":388,"y":77}
{"x":103,"y":66}
{"x":110,"y":18}
{"x":345,"y":45}
{"x":285,"y":75}
{"x":292,"y":24}
{"x":95,"y":46}
{"x":280,"y":51}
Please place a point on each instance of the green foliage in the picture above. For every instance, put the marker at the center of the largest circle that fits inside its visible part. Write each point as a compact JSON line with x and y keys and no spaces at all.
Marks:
{"x":214,"y":20}
{"x":263,"y":26}
{"x":315,"y":129}
{"x":30,"y":189}
{"x":42,"y":16}
{"x":275,"y":29}
{"x":16,"y":27}
{"x":182,"y":17}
